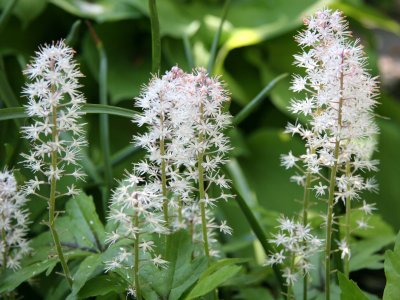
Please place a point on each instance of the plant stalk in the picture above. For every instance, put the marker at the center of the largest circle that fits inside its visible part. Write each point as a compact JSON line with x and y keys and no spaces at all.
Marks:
{"x":347,"y":226}
{"x":137,"y":258}
{"x":332,"y":185}
{"x":52,"y":201}
{"x":306,"y":200}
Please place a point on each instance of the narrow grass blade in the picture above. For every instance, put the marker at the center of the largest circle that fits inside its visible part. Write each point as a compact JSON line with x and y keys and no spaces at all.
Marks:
{"x":217,"y":35}
{"x":72,"y":36}
{"x":155,"y":37}
{"x":242,"y":190}
{"x":6,"y":13}
{"x":249,"y":108}
{"x":104,"y":124}
{"x":19,"y":113}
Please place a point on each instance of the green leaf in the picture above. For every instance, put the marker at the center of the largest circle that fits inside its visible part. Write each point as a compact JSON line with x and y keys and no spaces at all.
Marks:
{"x":269,"y":181}
{"x":182,"y":272}
{"x":252,"y":105}
{"x":84,"y":219}
{"x":103,"y":285}
{"x":27,"y":10}
{"x":369,"y":16}
{"x":19,"y":112}
{"x":257,"y":21}
{"x":10,"y":280}
{"x":216,"y":274}
{"x":101,"y":10}
{"x":364,"y":254}
{"x":90,"y":267}
{"x":349,"y":289}
{"x":392,"y":272}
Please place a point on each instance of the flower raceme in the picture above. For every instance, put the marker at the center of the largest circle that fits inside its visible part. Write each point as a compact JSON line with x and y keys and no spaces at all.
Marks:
{"x":338,"y":96}
{"x":13,"y":223}
{"x":185,"y":119}
{"x":167,"y":191}
{"x":54,"y":104}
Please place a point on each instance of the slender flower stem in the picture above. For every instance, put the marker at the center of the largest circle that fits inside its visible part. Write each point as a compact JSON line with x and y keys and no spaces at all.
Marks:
{"x":164,"y":177}
{"x":180,"y":216}
{"x":202,"y":204}
{"x":332,"y":185}
{"x":202,"y":193}
{"x":52,"y":201}
{"x":137,"y":259}
{"x":290,"y":286}
{"x":4,"y":258}
{"x":347,"y":225}
{"x":306,"y":200}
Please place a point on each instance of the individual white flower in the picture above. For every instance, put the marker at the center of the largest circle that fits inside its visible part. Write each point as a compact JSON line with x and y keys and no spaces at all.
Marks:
{"x":344,"y":248}
{"x":14,"y":244}
{"x":54,"y":106}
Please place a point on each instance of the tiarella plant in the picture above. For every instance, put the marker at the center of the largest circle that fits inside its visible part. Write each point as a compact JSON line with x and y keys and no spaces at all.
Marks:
{"x":14,"y":244}
{"x":185,"y":147}
{"x":339,"y":132}
{"x":55,"y":134}
{"x":159,"y":234}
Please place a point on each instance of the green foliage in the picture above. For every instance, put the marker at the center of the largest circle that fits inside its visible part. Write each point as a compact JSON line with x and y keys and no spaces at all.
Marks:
{"x":253,"y":46}
{"x":349,"y":289}
{"x":392,"y":272}
{"x":215,"y":275}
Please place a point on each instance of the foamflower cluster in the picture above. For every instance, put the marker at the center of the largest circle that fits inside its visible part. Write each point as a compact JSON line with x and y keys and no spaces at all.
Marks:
{"x":185,"y":117}
{"x":295,"y":246}
{"x":136,"y":214}
{"x":54,"y":105}
{"x":337,"y":98}
{"x":13,"y":223}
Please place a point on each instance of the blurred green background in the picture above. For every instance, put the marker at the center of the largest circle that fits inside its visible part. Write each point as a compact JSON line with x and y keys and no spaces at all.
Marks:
{"x":256,"y":45}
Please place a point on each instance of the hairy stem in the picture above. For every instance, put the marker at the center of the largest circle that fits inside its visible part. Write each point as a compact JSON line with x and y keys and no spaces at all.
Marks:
{"x":52,"y":200}
{"x":137,"y":259}
{"x":347,"y":225}
{"x":4,"y":258}
{"x":290,"y":286}
{"x":306,"y":200}
{"x":332,"y":185}
{"x":164,"y":176}
{"x":202,"y":192}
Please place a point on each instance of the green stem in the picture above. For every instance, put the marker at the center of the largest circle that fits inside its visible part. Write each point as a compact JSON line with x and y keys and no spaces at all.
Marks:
{"x":155,"y":37}
{"x":290,"y":286}
{"x":241,"y":189}
{"x":52,"y":201}
{"x":137,"y":258}
{"x":180,"y":217}
{"x":347,"y":225}
{"x":217,"y":35}
{"x":332,"y":185}
{"x":306,"y":200}
{"x":164,"y":178}
{"x":202,"y":193}
{"x":4,"y":258}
